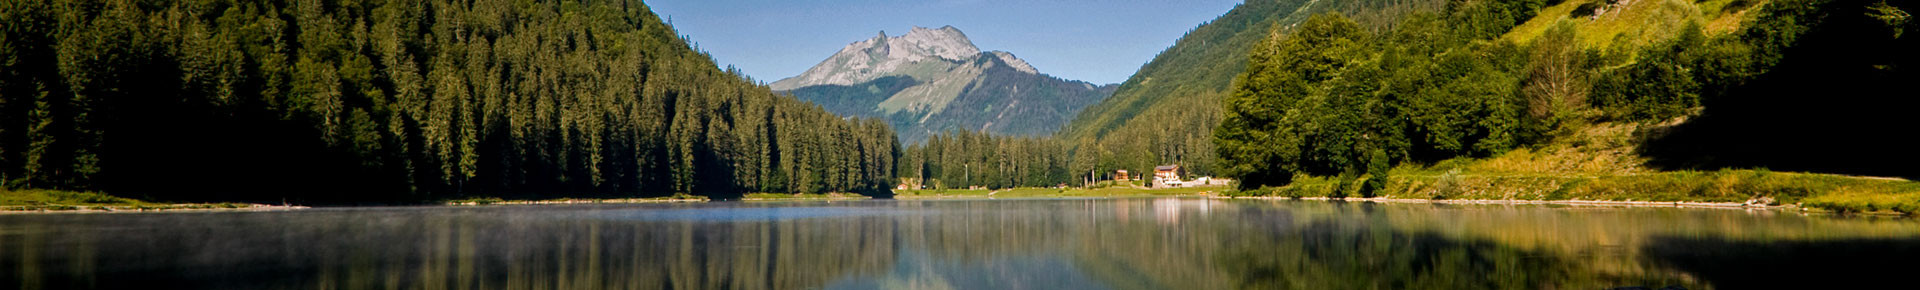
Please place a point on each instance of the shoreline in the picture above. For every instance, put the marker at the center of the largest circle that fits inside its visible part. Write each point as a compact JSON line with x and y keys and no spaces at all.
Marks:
{"x":249,"y":207}
{"x":574,"y":201}
{"x":1572,"y":202}
{"x":170,"y":208}
{"x":807,"y":199}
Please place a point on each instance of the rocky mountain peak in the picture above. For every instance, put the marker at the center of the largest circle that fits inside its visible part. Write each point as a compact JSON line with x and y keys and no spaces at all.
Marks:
{"x":932,"y":80}
{"x":946,"y":42}
{"x":919,"y":51}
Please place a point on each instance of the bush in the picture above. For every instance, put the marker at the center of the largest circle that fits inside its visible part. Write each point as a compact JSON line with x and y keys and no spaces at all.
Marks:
{"x":1340,"y":189}
{"x":1377,"y":167}
{"x":1449,"y":185}
{"x":1584,"y":10}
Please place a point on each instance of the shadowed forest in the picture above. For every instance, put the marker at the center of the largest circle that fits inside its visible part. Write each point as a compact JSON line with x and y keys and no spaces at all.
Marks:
{"x":1797,"y":85}
{"x":1842,"y":103}
{"x":370,"y":101}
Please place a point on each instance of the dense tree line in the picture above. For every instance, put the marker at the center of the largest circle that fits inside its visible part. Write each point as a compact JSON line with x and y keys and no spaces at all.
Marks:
{"x":399,"y":100}
{"x":961,"y":159}
{"x":1166,"y":112}
{"x":1332,"y":98}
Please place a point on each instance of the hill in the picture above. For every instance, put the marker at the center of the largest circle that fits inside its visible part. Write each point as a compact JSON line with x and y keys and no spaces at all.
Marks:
{"x":1585,"y":99}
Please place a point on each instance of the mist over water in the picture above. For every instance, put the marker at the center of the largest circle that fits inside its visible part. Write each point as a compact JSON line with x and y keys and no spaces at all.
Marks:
{"x":971,"y":244}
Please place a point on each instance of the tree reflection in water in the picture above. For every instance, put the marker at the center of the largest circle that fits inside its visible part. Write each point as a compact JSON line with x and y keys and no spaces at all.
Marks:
{"x":990,"y":244}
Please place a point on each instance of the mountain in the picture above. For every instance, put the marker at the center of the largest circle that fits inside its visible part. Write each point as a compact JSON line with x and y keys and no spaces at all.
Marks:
{"x":935,"y":80}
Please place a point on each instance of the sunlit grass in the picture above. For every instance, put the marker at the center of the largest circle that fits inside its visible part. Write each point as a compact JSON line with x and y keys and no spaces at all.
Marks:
{"x":39,"y":199}
{"x":61,"y":200}
{"x":1821,"y":191}
{"x":1596,"y":163}
{"x":1904,"y":198}
{"x":1638,"y":22}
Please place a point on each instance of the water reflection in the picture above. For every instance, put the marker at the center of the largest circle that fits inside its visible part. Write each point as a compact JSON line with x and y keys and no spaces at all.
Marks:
{"x":997,"y":244}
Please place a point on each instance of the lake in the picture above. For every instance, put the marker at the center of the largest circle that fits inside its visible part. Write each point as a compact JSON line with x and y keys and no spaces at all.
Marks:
{"x":1167,"y":243}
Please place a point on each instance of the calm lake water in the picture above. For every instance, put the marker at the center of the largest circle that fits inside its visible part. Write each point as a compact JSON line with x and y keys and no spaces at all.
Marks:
{"x":972,"y":244}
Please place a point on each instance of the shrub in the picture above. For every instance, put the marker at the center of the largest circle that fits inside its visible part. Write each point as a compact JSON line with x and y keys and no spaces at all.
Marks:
{"x":1584,"y":10}
{"x":1377,"y":167}
{"x":1339,"y":190}
{"x":1448,"y":185}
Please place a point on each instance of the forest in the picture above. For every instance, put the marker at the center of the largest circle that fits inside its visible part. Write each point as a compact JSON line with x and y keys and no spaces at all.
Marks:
{"x":1334,"y":98}
{"x":1166,"y":112}
{"x":1350,"y":89}
{"x":411,"y":100}
{"x":321,"y":101}
{"x":962,"y":159}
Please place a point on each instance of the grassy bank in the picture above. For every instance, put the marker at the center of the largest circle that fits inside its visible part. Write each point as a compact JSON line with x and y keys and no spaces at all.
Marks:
{"x":35,"y":200}
{"x":1818,"y":191}
{"x":1597,"y":163}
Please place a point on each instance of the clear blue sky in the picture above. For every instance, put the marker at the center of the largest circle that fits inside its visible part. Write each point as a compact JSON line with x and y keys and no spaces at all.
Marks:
{"x":1096,"y":41}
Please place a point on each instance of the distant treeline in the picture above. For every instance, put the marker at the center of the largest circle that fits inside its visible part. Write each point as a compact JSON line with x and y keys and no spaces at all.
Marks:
{"x":964,"y":159}
{"x":399,"y":100}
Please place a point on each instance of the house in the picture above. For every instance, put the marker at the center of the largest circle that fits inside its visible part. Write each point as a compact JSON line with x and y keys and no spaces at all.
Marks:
{"x":1168,"y":176}
{"x":1120,"y":175}
{"x":1168,"y":172}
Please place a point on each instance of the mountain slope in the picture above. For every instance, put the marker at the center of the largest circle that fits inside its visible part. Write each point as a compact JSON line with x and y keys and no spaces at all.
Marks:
{"x":935,"y":80}
{"x":1663,"y":100}
{"x":306,"y":101}
{"x":1163,"y":113}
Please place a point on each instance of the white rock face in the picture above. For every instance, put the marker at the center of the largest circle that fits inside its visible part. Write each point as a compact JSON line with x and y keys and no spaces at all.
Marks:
{"x":921,"y":53}
{"x":1015,"y":62}
{"x":946,"y":42}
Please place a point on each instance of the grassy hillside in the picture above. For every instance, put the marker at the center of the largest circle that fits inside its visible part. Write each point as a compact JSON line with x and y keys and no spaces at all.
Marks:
{"x":1631,"y":99}
{"x":860,"y":100}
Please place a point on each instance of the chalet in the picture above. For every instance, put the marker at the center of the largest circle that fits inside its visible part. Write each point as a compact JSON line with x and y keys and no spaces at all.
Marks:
{"x":1169,"y":173}
{"x":1120,"y":175}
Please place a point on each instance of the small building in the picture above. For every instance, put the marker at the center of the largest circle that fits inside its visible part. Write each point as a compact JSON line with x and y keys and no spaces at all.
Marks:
{"x":1120,"y":175}
{"x":1168,"y":176}
{"x":1168,"y":173}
